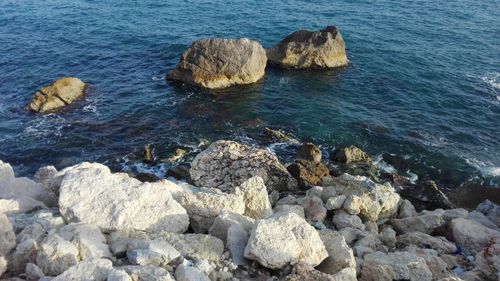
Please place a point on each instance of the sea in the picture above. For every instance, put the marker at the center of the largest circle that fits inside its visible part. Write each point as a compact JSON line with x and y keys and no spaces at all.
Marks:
{"x":421,"y":93}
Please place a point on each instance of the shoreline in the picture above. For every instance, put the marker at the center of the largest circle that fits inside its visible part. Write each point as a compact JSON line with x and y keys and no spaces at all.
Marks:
{"x":237,"y":218}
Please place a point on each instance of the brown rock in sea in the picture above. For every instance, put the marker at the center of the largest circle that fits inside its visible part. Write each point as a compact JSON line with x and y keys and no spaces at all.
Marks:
{"x":310,"y":49}
{"x":221,"y":63}
{"x":308,"y":172}
{"x":309,"y":151}
{"x":57,"y":95}
{"x":350,"y":154}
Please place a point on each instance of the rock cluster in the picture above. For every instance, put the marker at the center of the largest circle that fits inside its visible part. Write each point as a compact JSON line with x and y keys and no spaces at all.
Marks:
{"x":241,"y":222}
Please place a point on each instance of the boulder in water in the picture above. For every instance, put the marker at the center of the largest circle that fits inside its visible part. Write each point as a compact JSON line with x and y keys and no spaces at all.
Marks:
{"x":221,"y":63}
{"x":310,"y":49}
{"x":59,"y":94}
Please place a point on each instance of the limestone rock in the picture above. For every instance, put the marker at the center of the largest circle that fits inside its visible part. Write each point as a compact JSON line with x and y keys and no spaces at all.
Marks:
{"x":376,"y":201}
{"x":59,"y":94}
{"x":425,"y":222}
{"x":155,"y":252}
{"x":335,"y":202}
{"x":488,"y":260}
{"x":254,"y":193}
{"x":237,"y":239}
{"x":351,"y":154}
{"x":314,"y":209}
{"x":200,"y":246}
{"x":88,"y":239}
{"x":286,"y":208}
{"x":56,"y":255}
{"x":340,"y":255}
{"x":44,"y":176}
{"x":406,"y":209}
{"x":225,"y":220}
{"x":309,"y":151}
{"x":342,"y":219}
{"x":118,"y":275}
{"x":482,"y":219}
{"x":188,"y":273}
{"x":89,"y":270}
{"x":310,"y":49}
{"x":388,"y":237}
{"x":285,"y":239}
{"x":406,"y":266}
{"x":90,"y":193}
{"x":227,"y":164}
{"x":374,"y":271}
{"x":147,"y":273}
{"x":440,"y":244}
{"x":204,"y":207}
{"x":308,"y":172}
{"x":305,"y":272}
{"x":33,"y":272}
{"x":3,"y":265}
{"x":220,"y":63}
{"x":7,"y":235}
{"x":490,"y":210}
{"x":472,"y":235}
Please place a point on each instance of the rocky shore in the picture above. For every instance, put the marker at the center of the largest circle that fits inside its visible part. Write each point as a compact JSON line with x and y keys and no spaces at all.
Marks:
{"x":240,"y":214}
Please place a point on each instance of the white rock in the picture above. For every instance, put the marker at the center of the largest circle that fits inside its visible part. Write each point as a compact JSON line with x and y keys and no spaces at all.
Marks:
{"x":488,"y":260}
{"x":89,"y":193}
{"x":204,"y":207}
{"x":47,"y":218}
{"x":350,"y":234}
{"x":45,"y":176}
{"x":472,"y":235}
{"x":227,"y":164}
{"x":89,"y":270}
{"x":33,"y":272}
{"x":425,"y":222}
{"x":222,"y":223}
{"x":340,"y":255}
{"x":440,"y":244}
{"x":314,"y":209}
{"x":237,"y":239}
{"x":406,"y":266}
{"x":3,"y":263}
{"x":374,"y":271}
{"x":353,"y":204}
{"x":490,"y":210}
{"x":435,"y":264}
{"x":482,"y":219}
{"x":314,"y":191}
{"x":342,"y":219}
{"x":118,"y":275}
{"x":254,"y":192}
{"x":199,"y":246}
{"x":147,"y":273}
{"x":155,"y":252}
{"x":6,"y":172}
{"x":285,"y":208}
{"x":376,"y":201}
{"x":406,"y":209}
{"x":188,"y":273}
{"x":7,"y":235}
{"x":285,"y":239}
{"x":55,"y":255}
{"x":335,"y":202}
{"x":388,"y":237}
{"x":88,"y":239}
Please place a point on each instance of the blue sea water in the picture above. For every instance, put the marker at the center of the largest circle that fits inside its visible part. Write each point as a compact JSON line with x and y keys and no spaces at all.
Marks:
{"x":422,"y":92}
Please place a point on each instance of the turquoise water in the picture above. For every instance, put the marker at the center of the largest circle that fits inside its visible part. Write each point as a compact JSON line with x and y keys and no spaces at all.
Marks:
{"x":422,"y":92}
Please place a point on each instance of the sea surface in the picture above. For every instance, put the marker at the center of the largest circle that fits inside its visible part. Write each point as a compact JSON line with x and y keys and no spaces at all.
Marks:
{"x":421,"y":93}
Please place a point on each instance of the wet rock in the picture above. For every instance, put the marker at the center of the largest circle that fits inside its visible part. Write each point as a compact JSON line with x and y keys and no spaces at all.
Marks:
{"x":146,"y":177}
{"x":147,"y":273}
{"x":200,"y":246}
{"x":204,"y":207}
{"x":309,"y":151}
{"x":148,"y":154}
{"x":180,"y":171}
{"x":227,"y":164}
{"x":350,"y":154}
{"x":472,"y":235}
{"x":178,"y":154}
{"x":308,"y":172}
{"x":376,"y":201}
{"x":254,"y":193}
{"x":278,"y":136}
{"x":221,"y":63}
{"x":90,"y":193}
{"x":59,"y":94}
{"x":310,"y":49}
{"x":285,"y":239}
{"x":406,"y":266}
{"x":340,"y":255}
{"x":440,"y":244}
{"x":342,"y":219}
{"x":96,"y":270}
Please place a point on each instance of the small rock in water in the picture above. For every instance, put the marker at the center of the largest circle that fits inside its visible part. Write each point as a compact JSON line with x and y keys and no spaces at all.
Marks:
{"x":59,"y":94}
{"x":350,"y":154}
{"x":309,"y":151}
{"x":177,"y":155}
{"x":148,"y":154}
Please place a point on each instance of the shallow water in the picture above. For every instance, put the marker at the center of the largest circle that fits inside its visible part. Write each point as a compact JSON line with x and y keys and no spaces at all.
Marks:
{"x":422,"y":91}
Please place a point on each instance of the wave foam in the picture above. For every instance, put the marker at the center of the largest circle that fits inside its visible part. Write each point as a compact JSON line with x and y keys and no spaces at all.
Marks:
{"x":492,"y":79}
{"x":487,"y":169}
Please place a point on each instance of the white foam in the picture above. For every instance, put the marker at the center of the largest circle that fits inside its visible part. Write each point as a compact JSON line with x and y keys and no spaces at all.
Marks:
{"x":384,"y":166}
{"x":487,"y":169}
{"x":492,"y":79}
{"x":412,"y":177}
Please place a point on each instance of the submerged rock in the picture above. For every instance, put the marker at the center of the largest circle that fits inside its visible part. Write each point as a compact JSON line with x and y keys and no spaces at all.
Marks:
{"x":285,"y":238}
{"x":227,"y":164}
{"x":220,"y":63}
{"x":90,"y":193}
{"x":310,"y":49}
{"x":57,"y":95}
